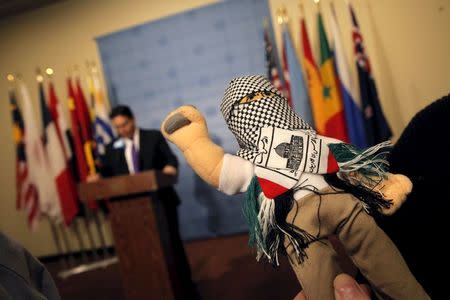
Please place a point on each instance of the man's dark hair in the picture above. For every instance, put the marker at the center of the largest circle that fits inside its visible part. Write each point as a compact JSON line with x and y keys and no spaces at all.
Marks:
{"x":121,"y":110}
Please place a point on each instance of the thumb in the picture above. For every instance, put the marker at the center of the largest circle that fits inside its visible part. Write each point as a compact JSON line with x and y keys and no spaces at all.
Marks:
{"x":346,"y":288}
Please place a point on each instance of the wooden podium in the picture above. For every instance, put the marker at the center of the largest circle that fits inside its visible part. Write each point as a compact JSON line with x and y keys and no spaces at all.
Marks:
{"x":139,"y":228}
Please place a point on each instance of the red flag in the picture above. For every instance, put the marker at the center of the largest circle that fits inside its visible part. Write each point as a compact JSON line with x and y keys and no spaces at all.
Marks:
{"x":82,"y":134}
{"x":82,"y":166}
{"x":83,"y":113}
{"x":64,"y":179}
{"x":60,"y":122}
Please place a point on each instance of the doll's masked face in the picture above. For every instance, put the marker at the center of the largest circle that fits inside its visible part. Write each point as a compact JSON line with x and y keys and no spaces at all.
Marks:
{"x":251,"y":103}
{"x":257,"y":110}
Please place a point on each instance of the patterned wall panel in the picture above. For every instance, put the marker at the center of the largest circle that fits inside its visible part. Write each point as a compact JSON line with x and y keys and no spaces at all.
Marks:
{"x":189,"y":58}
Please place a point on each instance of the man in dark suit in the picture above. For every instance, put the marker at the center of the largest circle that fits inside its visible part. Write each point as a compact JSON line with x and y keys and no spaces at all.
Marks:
{"x":138,"y":150}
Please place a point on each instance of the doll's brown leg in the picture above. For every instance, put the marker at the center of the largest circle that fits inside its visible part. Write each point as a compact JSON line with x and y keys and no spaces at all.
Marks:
{"x":370,"y":248}
{"x":317,"y":272}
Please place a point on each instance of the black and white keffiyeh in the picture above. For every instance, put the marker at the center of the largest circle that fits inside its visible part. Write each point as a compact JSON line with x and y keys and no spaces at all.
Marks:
{"x":271,"y":135}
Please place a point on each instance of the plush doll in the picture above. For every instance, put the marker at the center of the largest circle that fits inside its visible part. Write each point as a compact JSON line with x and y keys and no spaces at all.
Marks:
{"x":301,"y":188}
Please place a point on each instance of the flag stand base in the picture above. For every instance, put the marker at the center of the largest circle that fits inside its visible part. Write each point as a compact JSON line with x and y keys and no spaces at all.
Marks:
{"x":88,"y":267}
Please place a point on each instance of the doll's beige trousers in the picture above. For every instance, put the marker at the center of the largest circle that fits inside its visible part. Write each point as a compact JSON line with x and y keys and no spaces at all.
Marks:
{"x":368,"y":246}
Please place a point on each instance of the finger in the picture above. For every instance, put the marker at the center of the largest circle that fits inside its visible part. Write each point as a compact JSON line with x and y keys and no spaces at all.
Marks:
{"x":366,"y":289}
{"x":175,"y":122}
{"x":300,"y":296}
{"x":346,"y":288}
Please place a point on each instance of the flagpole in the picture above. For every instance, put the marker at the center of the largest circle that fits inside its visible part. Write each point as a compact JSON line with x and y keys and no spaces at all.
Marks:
{"x":100,"y":233}
{"x":11,"y":82}
{"x":90,"y":83}
{"x":333,"y":11}
{"x":83,"y":250}
{"x":11,"y":79}
{"x":71,"y":258}
{"x":88,"y":215}
{"x":93,"y":215}
{"x":67,"y":255}
{"x":302,"y":11}
{"x":76,"y":71}
{"x":39,"y":77}
{"x":86,"y":267}
{"x":57,"y":241}
{"x":40,"y":80}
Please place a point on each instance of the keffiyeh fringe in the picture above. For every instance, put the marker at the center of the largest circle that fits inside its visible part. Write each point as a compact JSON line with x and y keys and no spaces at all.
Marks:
{"x":268,"y":228}
{"x":362,"y":173}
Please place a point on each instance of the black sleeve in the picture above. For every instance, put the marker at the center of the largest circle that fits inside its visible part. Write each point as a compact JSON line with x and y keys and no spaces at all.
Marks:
{"x":164,"y":152}
{"x":22,"y":276}
{"x":420,"y":149}
{"x":421,"y":154}
{"x":41,"y":278}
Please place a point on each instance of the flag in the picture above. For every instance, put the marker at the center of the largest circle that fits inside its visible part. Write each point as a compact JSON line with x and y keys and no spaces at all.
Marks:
{"x":272,"y":70}
{"x":91,"y":104}
{"x":55,"y":143}
{"x":352,"y":104}
{"x":64,"y":132}
{"x":332,"y":118}
{"x":287,"y":79}
{"x":80,"y":129}
{"x":85,"y":124}
{"x":103,"y":132}
{"x":83,"y":112}
{"x":38,"y":162}
{"x":62,"y":129}
{"x":314,"y":82}
{"x":377,"y":128}
{"x":26,"y":192}
{"x":299,"y":94}
{"x":82,"y":167}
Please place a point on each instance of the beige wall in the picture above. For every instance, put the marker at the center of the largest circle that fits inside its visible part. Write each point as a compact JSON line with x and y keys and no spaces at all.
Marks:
{"x":407,"y":40}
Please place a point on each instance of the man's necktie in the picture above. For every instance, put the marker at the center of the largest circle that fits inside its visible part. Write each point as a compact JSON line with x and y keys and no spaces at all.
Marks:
{"x":135,"y":158}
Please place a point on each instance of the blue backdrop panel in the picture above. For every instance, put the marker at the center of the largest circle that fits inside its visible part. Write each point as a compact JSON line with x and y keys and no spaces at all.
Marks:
{"x":189,"y":58}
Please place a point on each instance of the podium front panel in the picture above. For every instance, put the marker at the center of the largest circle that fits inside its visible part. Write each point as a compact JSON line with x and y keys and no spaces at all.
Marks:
{"x":139,"y":247}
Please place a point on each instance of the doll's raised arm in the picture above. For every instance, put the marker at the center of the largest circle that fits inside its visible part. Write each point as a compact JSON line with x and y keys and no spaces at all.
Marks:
{"x":187,"y":129}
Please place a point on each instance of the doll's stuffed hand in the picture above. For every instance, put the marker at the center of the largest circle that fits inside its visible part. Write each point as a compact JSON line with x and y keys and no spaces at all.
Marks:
{"x":395,"y":188}
{"x":186,"y":128}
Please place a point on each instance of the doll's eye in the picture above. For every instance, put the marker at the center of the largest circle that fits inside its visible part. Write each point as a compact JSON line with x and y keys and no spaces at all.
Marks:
{"x":246,"y":99}
{"x":256,"y":96}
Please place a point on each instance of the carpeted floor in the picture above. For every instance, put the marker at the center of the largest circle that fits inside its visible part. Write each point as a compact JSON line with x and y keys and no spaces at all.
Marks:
{"x":223,"y":268}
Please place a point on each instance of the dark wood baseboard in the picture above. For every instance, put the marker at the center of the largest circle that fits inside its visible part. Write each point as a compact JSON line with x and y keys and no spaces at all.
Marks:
{"x":76,"y":254}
